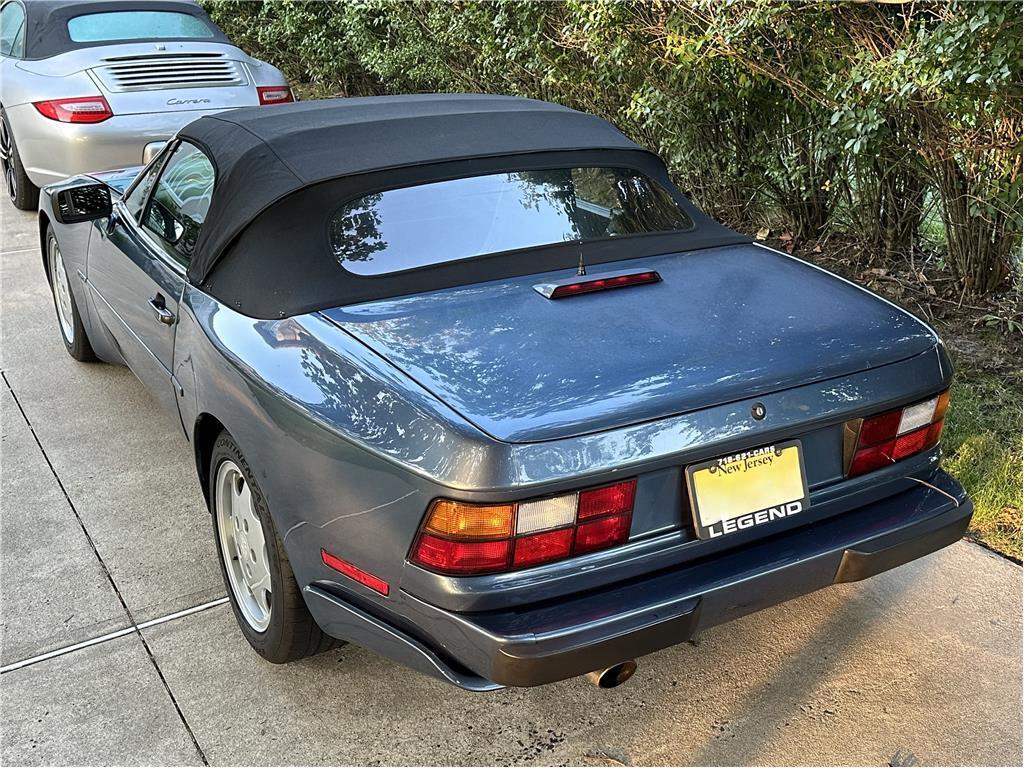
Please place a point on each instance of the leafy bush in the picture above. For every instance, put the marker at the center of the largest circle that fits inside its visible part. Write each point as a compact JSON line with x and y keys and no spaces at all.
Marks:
{"x":819,"y":117}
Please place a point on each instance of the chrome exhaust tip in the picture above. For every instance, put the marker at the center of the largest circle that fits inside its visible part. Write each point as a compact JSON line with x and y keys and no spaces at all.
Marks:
{"x":613,"y":676}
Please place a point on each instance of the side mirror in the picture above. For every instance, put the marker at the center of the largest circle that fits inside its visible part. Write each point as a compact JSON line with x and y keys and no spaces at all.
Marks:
{"x":87,"y":202}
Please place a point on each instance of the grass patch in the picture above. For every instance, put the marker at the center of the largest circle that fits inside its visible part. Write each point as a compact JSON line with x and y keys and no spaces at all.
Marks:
{"x":982,"y":443}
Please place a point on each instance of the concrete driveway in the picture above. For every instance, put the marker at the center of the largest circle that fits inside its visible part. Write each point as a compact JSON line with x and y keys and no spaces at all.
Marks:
{"x":105,"y":542}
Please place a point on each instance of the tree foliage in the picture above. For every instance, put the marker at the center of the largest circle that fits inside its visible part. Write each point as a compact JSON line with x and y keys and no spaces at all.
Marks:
{"x":818,"y":117}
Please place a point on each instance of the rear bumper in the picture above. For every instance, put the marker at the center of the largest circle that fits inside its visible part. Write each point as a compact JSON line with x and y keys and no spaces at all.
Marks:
{"x":569,"y":637}
{"x":52,"y":151}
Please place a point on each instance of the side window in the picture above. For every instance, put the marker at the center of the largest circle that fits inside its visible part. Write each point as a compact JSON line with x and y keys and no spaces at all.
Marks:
{"x":139,"y":193}
{"x":12,"y":31}
{"x":180,"y":200}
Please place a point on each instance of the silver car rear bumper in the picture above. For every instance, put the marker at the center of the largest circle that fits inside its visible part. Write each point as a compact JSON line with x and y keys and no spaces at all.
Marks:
{"x":51,"y":151}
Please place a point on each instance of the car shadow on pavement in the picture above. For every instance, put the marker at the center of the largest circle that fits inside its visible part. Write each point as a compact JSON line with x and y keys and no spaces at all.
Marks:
{"x":802,"y":682}
{"x":789,"y":672}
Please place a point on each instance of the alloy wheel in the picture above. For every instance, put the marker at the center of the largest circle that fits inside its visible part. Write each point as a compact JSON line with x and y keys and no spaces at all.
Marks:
{"x":61,"y":291}
{"x":7,"y":159}
{"x":243,"y":546}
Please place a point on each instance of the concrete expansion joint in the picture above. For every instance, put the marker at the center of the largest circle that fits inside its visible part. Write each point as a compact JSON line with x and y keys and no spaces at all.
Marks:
{"x":134,"y":627}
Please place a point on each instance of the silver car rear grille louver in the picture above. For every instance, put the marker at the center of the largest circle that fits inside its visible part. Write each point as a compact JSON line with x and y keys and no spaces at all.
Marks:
{"x":149,"y":72}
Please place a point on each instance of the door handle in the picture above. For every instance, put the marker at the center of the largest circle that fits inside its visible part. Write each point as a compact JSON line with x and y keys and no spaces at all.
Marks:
{"x":159,"y":306}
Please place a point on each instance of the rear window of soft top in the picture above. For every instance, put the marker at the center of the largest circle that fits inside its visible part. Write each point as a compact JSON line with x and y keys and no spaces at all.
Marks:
{"x":444,"y":221}
{"x":113,"y":26}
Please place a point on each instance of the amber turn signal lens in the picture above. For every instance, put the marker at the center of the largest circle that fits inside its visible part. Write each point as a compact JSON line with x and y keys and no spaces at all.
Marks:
{"x":456,"y":520}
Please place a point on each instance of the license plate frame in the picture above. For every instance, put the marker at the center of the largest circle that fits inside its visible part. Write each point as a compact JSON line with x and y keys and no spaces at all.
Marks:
{"x":713,"y":521}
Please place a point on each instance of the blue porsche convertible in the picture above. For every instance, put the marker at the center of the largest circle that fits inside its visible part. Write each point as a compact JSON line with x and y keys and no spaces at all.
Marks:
{"x":471,"y":383}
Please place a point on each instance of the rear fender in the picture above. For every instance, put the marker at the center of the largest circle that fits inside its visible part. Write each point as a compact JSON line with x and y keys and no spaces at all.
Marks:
{"x":346,"y":450}
{"x":26,"y":86}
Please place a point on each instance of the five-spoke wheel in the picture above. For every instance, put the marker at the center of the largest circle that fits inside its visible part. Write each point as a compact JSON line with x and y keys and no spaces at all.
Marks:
{"x":61,"y":291}
{"x":7,"y":160}
{"x":243,"y":546}
{"x":265,"y":597}
{"x":69,"y":319}
{"x":23,"y":193}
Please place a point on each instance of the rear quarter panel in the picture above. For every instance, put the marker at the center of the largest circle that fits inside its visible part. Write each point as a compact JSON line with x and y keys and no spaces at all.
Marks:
{"x":22,"y":87}
{"x":348,"y":452}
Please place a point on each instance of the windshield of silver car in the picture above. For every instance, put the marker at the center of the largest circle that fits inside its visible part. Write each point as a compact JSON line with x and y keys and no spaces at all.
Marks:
{"x":445,"y":221}
{"x":136,"y":25}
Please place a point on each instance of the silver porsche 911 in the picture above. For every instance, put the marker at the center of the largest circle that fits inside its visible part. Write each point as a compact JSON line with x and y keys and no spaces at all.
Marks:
{"x":88,"y":86}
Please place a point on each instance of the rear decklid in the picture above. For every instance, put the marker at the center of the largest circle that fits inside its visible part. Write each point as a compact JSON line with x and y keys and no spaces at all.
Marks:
{"x":140,"y":78}
{"x":188,"y":78}
{"x":723,"y":325}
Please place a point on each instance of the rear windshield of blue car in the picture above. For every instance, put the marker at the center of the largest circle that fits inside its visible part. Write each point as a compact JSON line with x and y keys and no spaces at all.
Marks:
{"x":136,"y":25}
{"x":445,"y":221}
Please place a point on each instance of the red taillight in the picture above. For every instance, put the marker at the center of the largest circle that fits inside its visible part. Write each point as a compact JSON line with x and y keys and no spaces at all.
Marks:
{"x":877,"y":429}
{"x":894,"y":435}
{"x":609,"y":500}
{"x":542,"y":547}
{"x":601,"y":533}
{"x":604,"y":284}
{"x":354,"y":573}
{"x":274,"y":94}
{"x":461,"y":556}
{"x":87,"y":109}
{"x":461,"y":538}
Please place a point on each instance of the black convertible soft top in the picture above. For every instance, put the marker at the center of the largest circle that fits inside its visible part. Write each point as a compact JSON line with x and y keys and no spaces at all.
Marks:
{"x":46,"y":22}
{"x":282,"y":170}
{"x":263,"y":154}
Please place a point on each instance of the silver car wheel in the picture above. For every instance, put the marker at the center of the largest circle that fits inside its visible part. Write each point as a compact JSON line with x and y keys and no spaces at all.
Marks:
{"x":7,"y":160}
{"x":242,"y":545}
{"x":61,"y":292}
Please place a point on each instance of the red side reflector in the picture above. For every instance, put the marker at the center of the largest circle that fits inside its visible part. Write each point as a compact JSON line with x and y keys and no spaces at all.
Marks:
{"x":85,"y":109}
{"x":356,"y":574}
{"x":601,"y":533}
{"x":542,"y":547}
{"x":605,"y":284}
{"x":274,"y":94}
{"x":462,"y":556}
{"x":609,"y":500}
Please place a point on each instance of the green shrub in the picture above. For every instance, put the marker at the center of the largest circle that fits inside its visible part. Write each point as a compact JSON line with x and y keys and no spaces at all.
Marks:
{"x":982,"y":449}
{"x":816,"y":117}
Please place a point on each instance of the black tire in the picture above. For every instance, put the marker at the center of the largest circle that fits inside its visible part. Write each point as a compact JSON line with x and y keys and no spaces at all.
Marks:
{"x":78,"y":345}
{"x":292,"y":633}
{"x":23,"y":193}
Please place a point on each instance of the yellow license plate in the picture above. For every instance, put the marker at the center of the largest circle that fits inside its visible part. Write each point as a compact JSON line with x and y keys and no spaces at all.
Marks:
{"x":747,"y":489}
